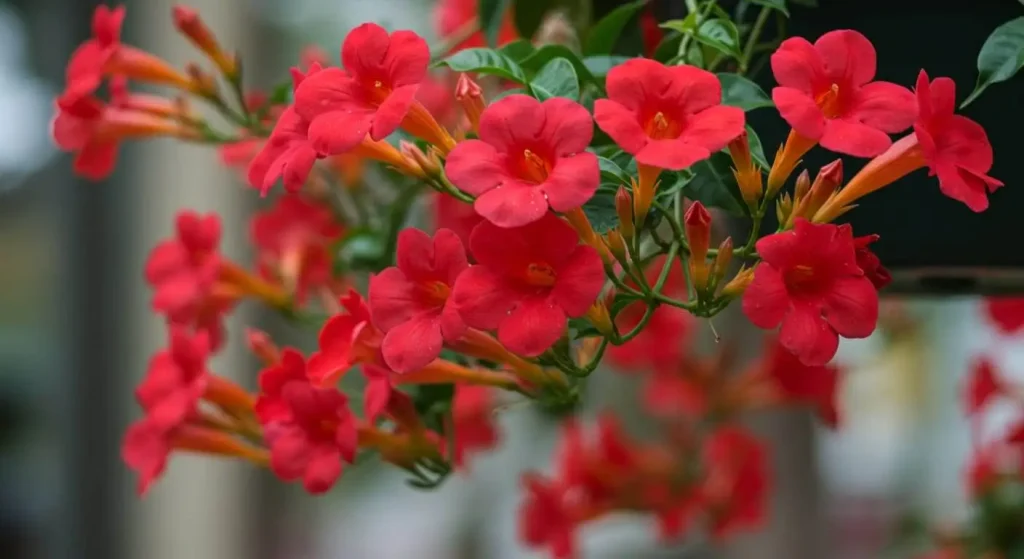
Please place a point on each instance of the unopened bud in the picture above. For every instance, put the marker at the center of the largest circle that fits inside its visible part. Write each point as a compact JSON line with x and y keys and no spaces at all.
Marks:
{"x":783,"y":207}
{"x":469,"y":94}
{"x":418,"y":163}
{"x":617,"y":245}
{"x":738,"y":284}
{"x":624,"y":209}
{"x":803,"y":186}
{"x":825,"y":184}
{"x":748,"y":175}
{"x":202,"y":82}
{"x":262,"y":346}
{"x":189,"y":24}
{"x":598,"y":315}
{"x":697,"y":224}
{"x":722,"y":260}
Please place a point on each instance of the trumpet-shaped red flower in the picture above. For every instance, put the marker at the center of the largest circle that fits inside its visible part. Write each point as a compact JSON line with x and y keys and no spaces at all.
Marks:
{"x":288,"y":153}
{"x":796,"y":382}
{"x":346,"y":340}
{"x":809,"y":282}
{"x":176,"y":379}
{"x":410,"y":302}
{"x":955,"y":148}
{"x":271,"y":406}
{"x":868,"y":261}
{"x":452,"y":16}
{"x":85,"y":69}
{"x":311,"y":443}
{"x":473,"y":417}
{"x":735,"y":489}
{"x":530,"y":156}
{"x":294,"y":239}
{"x":983,"y":385}
{"x":373,"y":97}
{"x":1006,"y":313}
{"x":545,"y":519}
{"x":528,"y":280}
{"x":184,"y":272}
{"x":826,"y":94}
{"x":668,"y":117}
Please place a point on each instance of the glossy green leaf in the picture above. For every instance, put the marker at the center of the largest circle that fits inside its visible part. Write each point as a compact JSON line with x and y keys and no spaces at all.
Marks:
{"x":719,"y":34}
{"x":517,"y":50}
{"x":547,"y":53}
{"x":492,"y":12}
{"x":756,"y":149}
{"x":1000,"y":58}
{"x":671,"y":182}
{"x":485,"y":61}
{"x":738,"y":91}
{"x":599,"y":66}
{"x":600,"y":211}
{"x":714,"y":186}
{"x":611,"y":172}
{"x":668,"y":48}
{"x":779,"y":5}
{"x":556,"y":79}
{"x":603,"y":35}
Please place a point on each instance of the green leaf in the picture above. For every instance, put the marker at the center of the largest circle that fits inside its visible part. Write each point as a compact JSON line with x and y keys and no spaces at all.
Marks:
{"x":556,"y":79}
{"x":756,"y":149}
{"x":721,"y":35}
{"x":738,"y":91}
{"x":611,"y":172}
{"x":1000,"y":58}
{"x":806,"y":3}
{"x":485,"y":61}
{"x":600,"y":211}
{"x":547,"y":53}
{"x":779,"y":5}
{"x":517,"y":50}
{"x":602,"y":36}
{"x":714,"y":185}
{"x":668,"y":47}
{"x":528,"y":15}
{"x":599,"y":66}
{"x":492,"y":13}
{"x":671,"y":181}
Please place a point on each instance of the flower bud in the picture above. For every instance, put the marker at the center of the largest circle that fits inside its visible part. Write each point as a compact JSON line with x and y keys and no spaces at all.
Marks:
{"x":748,"y":175}
{"x":722,"y":260}
{"x":783,"y":207}
{"x":624,"y":208}
{"x":617,"y":246}
{"x":189,"y":24}
{"x":738,"y":284}
{"x":418,"y":163}
{"x":262,"y":346}
{"x":202,"y":83}
{"x":598,"y":315}
{"x":825,"y":184}
{"x":697,"y":224}
{"x":469,"y":94}
{"x":803,"y":186}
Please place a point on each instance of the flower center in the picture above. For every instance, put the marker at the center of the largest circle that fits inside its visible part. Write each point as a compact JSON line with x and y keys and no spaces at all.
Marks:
{"x":435,"y":292}
{"x":661,"y":127}
{"x":800,"y":278}
{"x":540,"y":275}
{"x":535,"y":169}
{"x":828,"y":102}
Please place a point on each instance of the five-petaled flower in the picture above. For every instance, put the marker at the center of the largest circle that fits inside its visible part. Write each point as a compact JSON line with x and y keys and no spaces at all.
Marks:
{"x":176,"y":379}
{"x":827,"y":95}
{"x":410,"y":302}
{"x":530,"y":156}
{"x":809,"y":282}
{"x":347,"y":339}
{"x":813,"y":385}
{"x":735,"y":489}
{"x":528,"y":281}
{"x":85,"y":69}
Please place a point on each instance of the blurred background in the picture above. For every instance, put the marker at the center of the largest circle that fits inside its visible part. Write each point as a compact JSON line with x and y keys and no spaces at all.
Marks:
{"x":75,"y":336}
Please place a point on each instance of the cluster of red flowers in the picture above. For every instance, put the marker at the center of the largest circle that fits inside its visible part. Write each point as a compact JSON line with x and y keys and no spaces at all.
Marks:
{"x":516,"y":279}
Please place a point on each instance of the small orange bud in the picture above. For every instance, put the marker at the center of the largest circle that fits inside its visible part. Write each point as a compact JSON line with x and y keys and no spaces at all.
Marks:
{"x":189,"y":24}
{"x":644,"y":188}
{"x":624,"y":209}
{"x":469,"y":94}
{"x":617,"y":246}
{"x":748,"y":175}
{"x":203,"y":83}
{"x":598,"y":315}
{"x":722,"y":260}
{"x":803,"y":186}
{"x":786,"y":160}
{"x":739,"y":284}
{"x":783,"y":207}
{"x":427,"y":166}
{"x":829,"y":178}
{"x":697,"y":224}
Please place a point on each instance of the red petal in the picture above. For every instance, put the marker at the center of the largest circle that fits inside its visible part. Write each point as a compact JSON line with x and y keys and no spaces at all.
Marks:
{"x":853,"y":138}
{"x":393,"y":298}
{"x":886,"y":106}
{"x":334,"y":133}
{"x":512,"y":123}
{"x":621,"y":124}
{"x":572,"y":182}
{"x":475,"y":167}
{"x":848,"y":55}
{"x":568,"y":127}
{"x":851,"y":307}
{"x":322,"y":470}
{"x":797,"y":65}
{"x":512,"y":204}
{"x":806,"y":334}
{"x":483,"y":298}
{"x":580,"y":280}
{"x":674,"y":155}
{"x":390,"y":113}
{"x":410,"y":345}
{"x":766,"y":301}
{"x":800,"y":111}
{"x":532,"y":327}
{"x":714,"y":127}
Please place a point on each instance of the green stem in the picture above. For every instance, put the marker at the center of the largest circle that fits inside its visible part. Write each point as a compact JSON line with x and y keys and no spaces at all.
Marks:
{"x":755,"y":34}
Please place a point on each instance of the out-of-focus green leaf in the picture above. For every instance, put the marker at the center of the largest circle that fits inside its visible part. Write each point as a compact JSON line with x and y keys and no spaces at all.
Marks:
{"x":602,"y":35}
{"x":1001,"y":57}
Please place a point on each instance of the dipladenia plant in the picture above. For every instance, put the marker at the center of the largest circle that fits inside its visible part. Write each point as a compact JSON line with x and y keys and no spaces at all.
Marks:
{"x":580,"y":211}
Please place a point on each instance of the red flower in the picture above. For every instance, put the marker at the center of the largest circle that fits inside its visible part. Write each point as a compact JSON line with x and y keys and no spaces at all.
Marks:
{"x":826,"y":94}
{"x":528,"y":280}
{"x":473,"y":416}
{"x":452,"y":16}
{"x":1006,"y":313}
{"x":346,"y":340}
{"x":288,"y":153}
{"x":868,"y":261}
{"x":796,"y":382}
{"x":530,"y":156}
{"x":85,"y":69}
{"x":270,"y":406}
{"x":736,"y":488}
{"x":176,"y":379}
{"x":668,"y":117}
{"x":294,"y":238}
{"x":311,"y":443}
{"x":983,"y":385}
{"x":376,"y":93}
{"x":410,"y":302}
{"x":661,"y":345}
{"x":545,"y":519}
{"x":955,"y":147}
{"x":809,"y":282}
{"x":454,"y":214}
{"x":184,"y":272}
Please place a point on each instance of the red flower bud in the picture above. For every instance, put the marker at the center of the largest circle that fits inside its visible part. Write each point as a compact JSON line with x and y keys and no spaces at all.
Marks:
{"x":624,"y":208}
{"x":189,"y":24}
{"x":471,"y":97}
{"x":697,"y":223}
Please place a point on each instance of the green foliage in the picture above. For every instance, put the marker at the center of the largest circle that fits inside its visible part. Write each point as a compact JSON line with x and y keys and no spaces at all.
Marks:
{"x":557,"y":78}
{"x":492,"y":13}
{"x":485,"y":61}
{"x":603,"y":35}
{"x":738,"y":91}
{"x":1001,"y":57}
{"x":779,"y":5}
